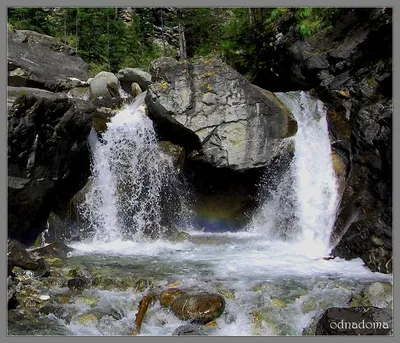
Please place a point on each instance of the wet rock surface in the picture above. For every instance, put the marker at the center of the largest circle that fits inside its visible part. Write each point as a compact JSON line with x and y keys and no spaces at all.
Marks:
{"x":201,"y":307}
{"x":355,"y":321}
{"x":168,"y":296}
{"x":53,"y":250}
{"x":48,"y":159}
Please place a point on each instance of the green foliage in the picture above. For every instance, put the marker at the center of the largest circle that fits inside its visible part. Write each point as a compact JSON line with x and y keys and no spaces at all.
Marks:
{"x":105,"y":42}
{"x":276,"y":13}
{"x":312,"y":21}
{"x":31,"y":18}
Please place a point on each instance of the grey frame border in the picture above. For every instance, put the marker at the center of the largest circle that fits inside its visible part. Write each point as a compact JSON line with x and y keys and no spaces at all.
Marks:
{"x":182,"y":3}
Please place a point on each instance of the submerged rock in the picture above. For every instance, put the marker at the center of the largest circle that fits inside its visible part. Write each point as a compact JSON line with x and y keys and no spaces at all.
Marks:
{"x":378,"y":294}
{"x":179,"y":236}
{"x":43,"y":269}
{"x":189,"y":330}
{"x":55,"y":249}
{"x":201,"y":307}
{"x":78,"y":283}
{"x":355,"y":321}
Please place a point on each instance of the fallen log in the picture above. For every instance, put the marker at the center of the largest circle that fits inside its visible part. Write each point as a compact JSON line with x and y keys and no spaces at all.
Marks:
{"x":147,"y":300}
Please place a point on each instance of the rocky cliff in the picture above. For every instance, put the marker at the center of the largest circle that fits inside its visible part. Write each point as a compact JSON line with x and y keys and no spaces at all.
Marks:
{"x":350,"y":68}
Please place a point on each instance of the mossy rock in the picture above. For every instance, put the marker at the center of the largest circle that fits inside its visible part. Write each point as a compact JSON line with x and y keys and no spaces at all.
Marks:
{"x":168,"y":296}
{"x":88,"y":319}
{"x":227,"y":293}
{"x":63,"y":299}
{"x":86,"y":300}
{"x":341,"y":125}
{"x":78,"y":92}
{"x":278,"y":303}
{"x":315,"y":303}
{"x":339,"y":166}
{"x":270,"y":316}
{"x":55,"y":262}
{"x":142,"y":284}
{"x":257,"y":319}
{"x":101,"y":118}
{"x":378,"y":294}
{"x":201,"y":307}
{"x":52,"y":282}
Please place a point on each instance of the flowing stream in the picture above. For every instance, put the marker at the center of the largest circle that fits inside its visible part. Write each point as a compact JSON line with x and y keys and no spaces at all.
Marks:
{"x":272,"y":275}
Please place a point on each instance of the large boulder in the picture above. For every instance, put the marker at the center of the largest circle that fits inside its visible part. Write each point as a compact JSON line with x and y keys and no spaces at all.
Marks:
{"x":40,"y":61}
{"x":48,"y":159}
{"x":104,"y":85}
{"x":14,"y":92}
{"x":237,"y":124}
{"x":128,"y":76}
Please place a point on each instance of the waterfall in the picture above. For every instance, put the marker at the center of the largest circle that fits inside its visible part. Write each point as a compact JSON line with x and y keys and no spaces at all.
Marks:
{"x":129,"y":174}
{"x":302,"y":207}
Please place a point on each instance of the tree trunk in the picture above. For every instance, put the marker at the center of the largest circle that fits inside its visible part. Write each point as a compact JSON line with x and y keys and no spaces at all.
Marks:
{"x":65,"y":27}
{"x":147,"y":300}
{"x":108,"y":43}
{"x":162,"y":30}
{"x":182,"y":41}
{"x":76,"y":30}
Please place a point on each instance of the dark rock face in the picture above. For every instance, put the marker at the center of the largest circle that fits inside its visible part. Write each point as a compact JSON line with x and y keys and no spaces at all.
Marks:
{"x":78,"y":283}
{"x":201,"y":308}
{"x":355,"y":321}
{"x":364,"y":225}
{"x":40,"y":61}
{"x":18,"y":257}
{"x":11,"y":294}
{"x":48,"y":159}
{"x":14,"y":92}
{"x":350,"y":68}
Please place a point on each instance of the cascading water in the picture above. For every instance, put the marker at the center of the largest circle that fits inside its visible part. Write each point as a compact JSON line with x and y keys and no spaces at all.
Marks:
{"x":129,"y":172}
{"x":304,"y":204}
{"x":271,"y":286}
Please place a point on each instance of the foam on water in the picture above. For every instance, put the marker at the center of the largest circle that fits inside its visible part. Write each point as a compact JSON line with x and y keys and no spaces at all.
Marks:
{"x":302,"y":209}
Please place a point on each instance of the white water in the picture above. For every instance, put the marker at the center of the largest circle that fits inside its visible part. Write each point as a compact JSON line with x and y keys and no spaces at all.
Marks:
{"x":238,"y":262}
{"x":304,"y":204}
{"x":129,"y":171}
